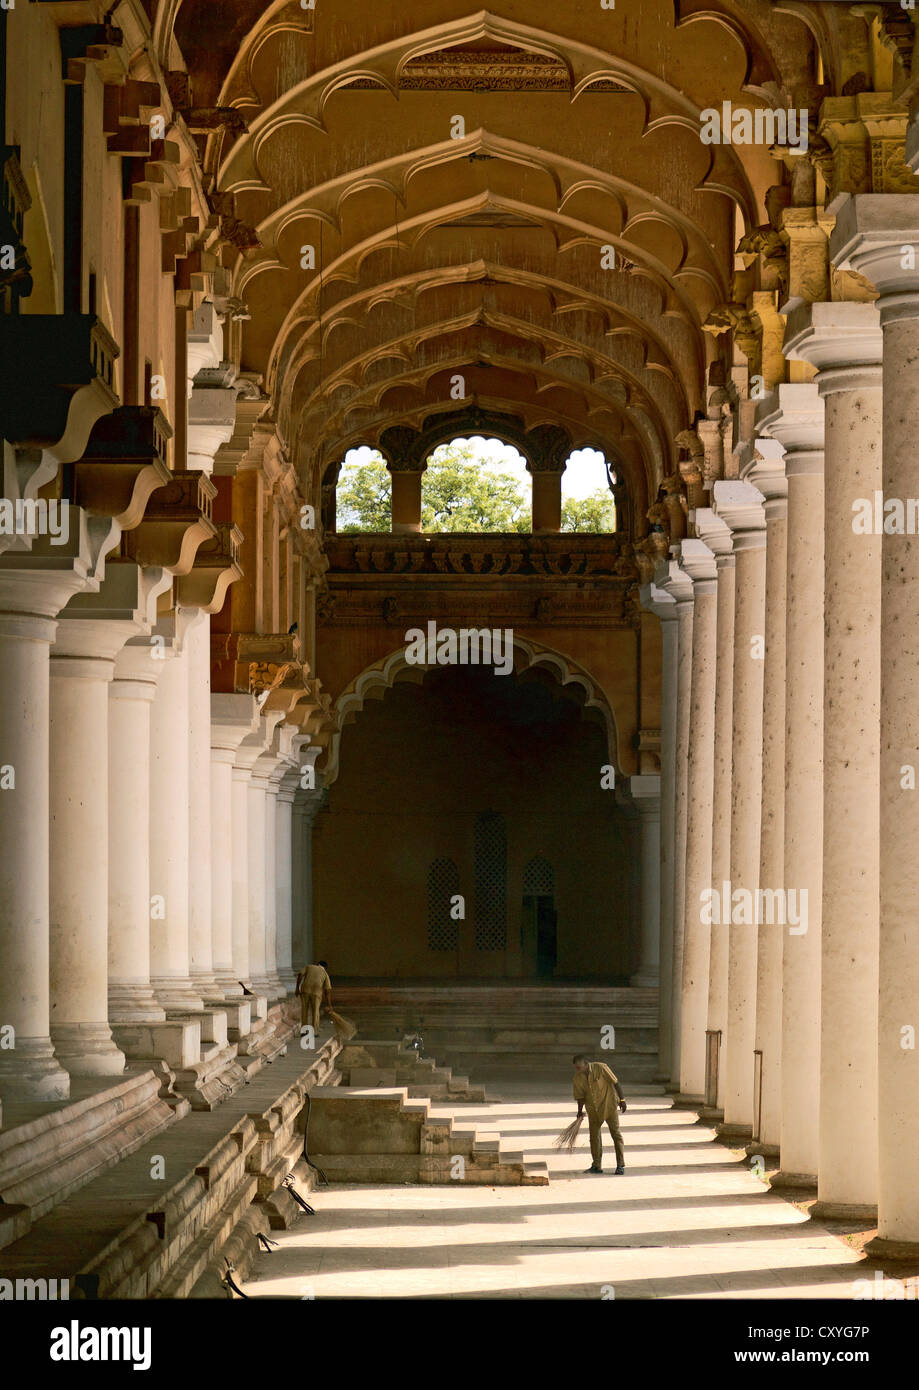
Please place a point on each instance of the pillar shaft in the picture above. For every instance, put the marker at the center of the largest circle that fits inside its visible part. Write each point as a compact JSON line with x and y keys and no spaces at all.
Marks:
{"x":406,"y":501}
{"x":645,"y":791}
{"x":200,"y":917}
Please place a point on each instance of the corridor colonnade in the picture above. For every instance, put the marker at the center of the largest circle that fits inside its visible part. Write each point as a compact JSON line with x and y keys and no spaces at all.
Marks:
{"x":790,"y":901}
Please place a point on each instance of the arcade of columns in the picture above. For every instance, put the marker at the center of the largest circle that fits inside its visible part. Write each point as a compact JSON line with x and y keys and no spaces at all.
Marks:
{"x":161,"y":717}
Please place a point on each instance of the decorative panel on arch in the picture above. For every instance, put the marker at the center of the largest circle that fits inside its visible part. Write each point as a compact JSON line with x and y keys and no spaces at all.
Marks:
{"x":539,"y":878}
{"x":443,"y":886}
{"x":490,"y":882}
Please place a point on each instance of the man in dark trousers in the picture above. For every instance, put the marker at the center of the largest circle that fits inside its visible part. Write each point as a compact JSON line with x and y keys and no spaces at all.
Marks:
{"x":596,"y":1089}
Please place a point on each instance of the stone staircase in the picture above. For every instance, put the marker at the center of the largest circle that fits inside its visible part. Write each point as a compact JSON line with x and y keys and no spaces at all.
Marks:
{"x":487,"y":1029}
{"x":380,"y":1135}
{"x":377,"y":1062}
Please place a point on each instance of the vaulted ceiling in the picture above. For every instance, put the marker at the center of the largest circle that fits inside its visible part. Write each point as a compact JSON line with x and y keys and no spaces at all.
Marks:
{"x":477,"y":249}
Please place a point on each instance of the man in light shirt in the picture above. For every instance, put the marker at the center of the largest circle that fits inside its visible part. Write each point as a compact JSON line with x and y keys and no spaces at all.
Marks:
{"x":315,"y":989}
{"x":596,"y":1088}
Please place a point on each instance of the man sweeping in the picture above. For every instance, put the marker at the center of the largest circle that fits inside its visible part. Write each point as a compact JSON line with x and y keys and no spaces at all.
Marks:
{"x":315,"y":989}
{"x":596,"y":1089}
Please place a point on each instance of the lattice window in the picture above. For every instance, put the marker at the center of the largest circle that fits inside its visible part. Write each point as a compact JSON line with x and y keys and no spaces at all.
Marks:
{"x":539,"y":878}
{"x":443,"y":884}
{"x":490,"y":882}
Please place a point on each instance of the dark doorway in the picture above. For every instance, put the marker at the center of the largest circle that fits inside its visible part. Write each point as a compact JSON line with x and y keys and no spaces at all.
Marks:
{"x":539,"y":935}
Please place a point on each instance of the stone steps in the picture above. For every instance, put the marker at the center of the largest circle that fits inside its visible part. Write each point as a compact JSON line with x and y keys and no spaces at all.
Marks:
{"x":481,"y":1027}
{"x":381,"y":1135}
{"x":380,"y":1062}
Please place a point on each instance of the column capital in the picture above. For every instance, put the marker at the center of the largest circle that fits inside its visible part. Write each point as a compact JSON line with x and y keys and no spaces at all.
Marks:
{"x":791,"y":425}
{"x":657,"y":601}
{"x":645,"y":790}
{"x":741,"y":506}
{"x":233,"y":718}
{"x":699,"y":563}
{"x":843,"y":341}
{"x":871,"y":234}
{"x":675,"y":582}
{"x":715,"y":532}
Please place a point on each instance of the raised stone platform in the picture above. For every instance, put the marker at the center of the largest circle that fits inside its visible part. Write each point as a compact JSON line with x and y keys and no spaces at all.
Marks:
{"x":375,"y":1062}
{"x":496,"y":1026}
{"x":380,"y":1135}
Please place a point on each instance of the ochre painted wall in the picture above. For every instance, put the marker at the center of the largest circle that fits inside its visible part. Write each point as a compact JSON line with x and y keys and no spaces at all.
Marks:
{"x":416,"y":770}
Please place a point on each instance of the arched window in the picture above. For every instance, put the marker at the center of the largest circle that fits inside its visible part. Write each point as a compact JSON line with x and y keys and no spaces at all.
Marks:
{"x":363,"y":494}
{"x":490,"y":882}
{"x":539,"y":877}
{"x":443,"y":886}
{"x":476,"y":485}
{"x":588,"y":503}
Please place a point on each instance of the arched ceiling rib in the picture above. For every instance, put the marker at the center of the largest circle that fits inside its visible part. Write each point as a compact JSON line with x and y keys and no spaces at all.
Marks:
{"x":483,"y":255}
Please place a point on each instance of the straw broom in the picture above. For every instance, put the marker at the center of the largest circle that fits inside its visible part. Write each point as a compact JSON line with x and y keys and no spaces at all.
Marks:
{"x":568,"y":1137}
{"x":344,"y":1028}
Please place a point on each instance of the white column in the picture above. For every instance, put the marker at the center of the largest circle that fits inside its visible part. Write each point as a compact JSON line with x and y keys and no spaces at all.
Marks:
{"x":197,"y":643}
{"x":741,"y":506}
{"x":798,"y":424}
{"x":250,"y":782}
{"x":656,"y":601}
{"x":878,"y":235}
{"x":645,"y":790}
{"x":699,"y":563}
{"x":169,"y":848}
{"x":131,"y":696}
{"x":257,"y":795}
{"x":284,"y":876}
{"x":717,"y":536}
{"x":271,"y":882}
{"x":29,"y":604}
{"x":233,"y":718}
{"x":768,"y":476}
{"x":678,"y":585}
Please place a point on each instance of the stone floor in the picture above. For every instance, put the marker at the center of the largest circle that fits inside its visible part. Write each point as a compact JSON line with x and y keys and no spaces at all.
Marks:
{"x":687,"y":1220}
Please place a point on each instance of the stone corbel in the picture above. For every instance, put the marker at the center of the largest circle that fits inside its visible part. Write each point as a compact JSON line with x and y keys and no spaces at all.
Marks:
{"x":177,"y":520}
{"x":216,"y":566}
{"x":57,"y":380}
{"x":123,"y":464}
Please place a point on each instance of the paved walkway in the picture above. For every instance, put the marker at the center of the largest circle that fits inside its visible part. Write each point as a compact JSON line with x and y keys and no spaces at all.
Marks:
{"x":687,"y":1220}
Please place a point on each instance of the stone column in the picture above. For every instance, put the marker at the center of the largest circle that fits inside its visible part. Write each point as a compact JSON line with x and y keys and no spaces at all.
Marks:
{"x":169,"y":847}
{"x":200,"y":924}
{"x":699,"y":563}
{"x":257,"y":841}
{"x":547,"y":494}
{"x":844,"y":341}
{"x":249,"y":854}
{"x":646,"y":797}
{"x":406,"y":497}
{"x":233,"y":718}
{"x":271,"y":881}
{"x":741,"y":506}
{"x":716,"y":534}
{"x":677,"y":583}
{"x":768,"y":476}
{"x":284,"y":876}
{"x":878,"y":235}
{"x":799,"y":425}
{"x":307,"y":806}
{"x":131,"y":696}
{"x":29,"y":603}
{"x":656,"y":601}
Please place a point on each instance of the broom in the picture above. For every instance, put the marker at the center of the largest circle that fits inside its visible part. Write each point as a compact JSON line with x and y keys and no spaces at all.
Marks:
{"x":344,"y":1028}
{"x":568,"y":1137}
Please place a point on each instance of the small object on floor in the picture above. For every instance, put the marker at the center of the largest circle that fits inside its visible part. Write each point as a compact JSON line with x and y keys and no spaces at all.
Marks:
{"x":568,"y":1137}
{"x":344,"y":1028}
{"x":229,"y":1283}
{"x":265,"y":1243}
{"x":304,"y":1205}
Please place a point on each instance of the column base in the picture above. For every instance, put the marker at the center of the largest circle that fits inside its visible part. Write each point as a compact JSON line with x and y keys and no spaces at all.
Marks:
{"x":647,"y":977}
{"x":804,"y":1182}
{"x":177,"y":1042}
{"x":737,"y":1134}
{"x":87,"y":1049}
{"x":843,"y":1211}
{"x":177,"y":995}
{"x":710,"y":1115}
{"x":681,"y":1102}
{"x":134,"y":1004}
{"x":32,"y":1072}
{"x":880,"y":1248}
{"x":205,"y":984}
{"x":757,"y":1147}
{"x":288,"y":980}
{"x":228,"y":986}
